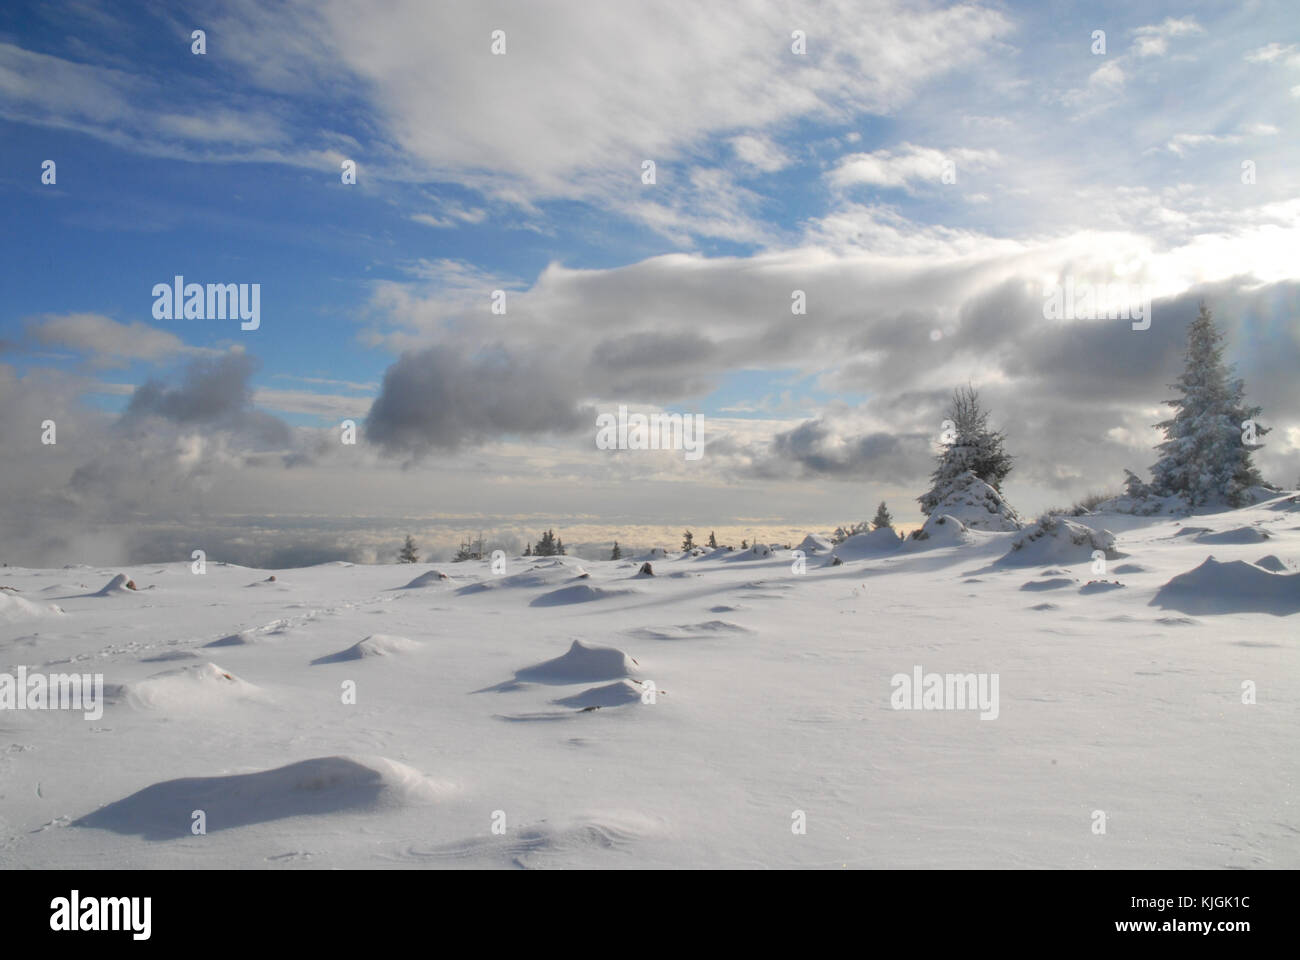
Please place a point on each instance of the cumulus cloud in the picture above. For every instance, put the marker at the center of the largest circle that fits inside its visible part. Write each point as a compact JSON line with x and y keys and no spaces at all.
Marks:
{"x":437,"y":398}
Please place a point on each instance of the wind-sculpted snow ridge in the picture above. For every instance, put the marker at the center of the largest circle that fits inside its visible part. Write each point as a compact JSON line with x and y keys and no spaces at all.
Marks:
{"x":814,"y":544}
{"x":620,"y":693}
{"x":1232,"y":587}
{"x":200,"y":685}
{"x":375,"y":645}
{"x":577,"y":593}
{"x":548,"y":573}
{"x":432,"y":578}
{"x":13,"y":609}
{"x":1057,"y":540}
{"x":118,"y":586}
{"x":1051,"y":583}
{"x":581,"y":663}
{"x":1235,"y":535}
{"x":322,"y":785}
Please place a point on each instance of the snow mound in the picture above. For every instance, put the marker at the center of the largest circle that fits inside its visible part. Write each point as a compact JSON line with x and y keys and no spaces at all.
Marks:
{"x":321,"y":785}
{"x":13,"y":609}
{"x":758,"y":551}
{"x":582,"y":662}
{"x":547,"y":574}
{"x":882,"y":540}
{"x":655,"y":553}
{"x":1053,"y":583}
{"x":1056,"y":540}
{"x":1130,"y":568}
{"x":1235,"y":535}
{"x":616,"y":694}
{"x":243,"y":638}
{"x":1232,"y":587}
{"x":1273,"y":563}
{"x":977,"y":505}
{"x":578,"y":593}
{"x":942,"y":530}
{"x":116,"y":587}
{"x":813,"y":544}
{"x":375,"y":645}
{"x":199,"y":685}
{"x":429,"y":579}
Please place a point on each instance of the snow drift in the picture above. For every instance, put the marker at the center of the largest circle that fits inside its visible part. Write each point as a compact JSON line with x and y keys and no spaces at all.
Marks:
{"x":873,"y":544}
{"x":582,"y":662}
{"x":1057,"y":540}
{"x":13,"y":609}
{"x":430,"y":579}
{"x":375,"y":645}
{"x":1233,"y":587}
{"x":321,"y":785}
{"x":616,"y":694}
{"x":186,"y":688}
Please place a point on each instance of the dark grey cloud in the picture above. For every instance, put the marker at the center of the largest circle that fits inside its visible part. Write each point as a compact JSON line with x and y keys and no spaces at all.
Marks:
{"x":214,"y":392}
{"x":439,"y":398}
{"x":814,"y":449}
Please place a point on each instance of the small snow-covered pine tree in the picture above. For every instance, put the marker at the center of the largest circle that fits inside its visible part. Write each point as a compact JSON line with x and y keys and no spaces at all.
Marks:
{"x":713,"y":541}
{"x":616,"y":554}
{"x":688,"y":540}
{"x":882,"y":518}
{"x":1205,"y":458}
{"x":974,"y":446}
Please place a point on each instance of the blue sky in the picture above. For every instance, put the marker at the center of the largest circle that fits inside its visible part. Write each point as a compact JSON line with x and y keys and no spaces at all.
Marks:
{"x":775,"y":171}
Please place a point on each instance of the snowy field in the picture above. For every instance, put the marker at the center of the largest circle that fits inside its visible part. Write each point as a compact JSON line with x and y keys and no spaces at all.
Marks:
{"x":772,"y":696}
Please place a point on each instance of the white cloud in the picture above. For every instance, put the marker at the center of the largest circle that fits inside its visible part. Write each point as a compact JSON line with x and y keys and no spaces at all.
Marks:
{"x":1272,"y":52}
{"x":907,"y":165}
{"x":760,"y":153}
{"x":1153,"y":40}
{"x":107,"y":342}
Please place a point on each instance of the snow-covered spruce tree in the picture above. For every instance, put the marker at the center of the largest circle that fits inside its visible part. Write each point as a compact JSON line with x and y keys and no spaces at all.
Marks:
{"x":713,"y":541}
{"x":688,"y":540}
{"x":1204,"y":458}
{"x":408,"y":554}
{"x":882,"y":518}
{"x":616,"y":553}
{"x":971,"y":446}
